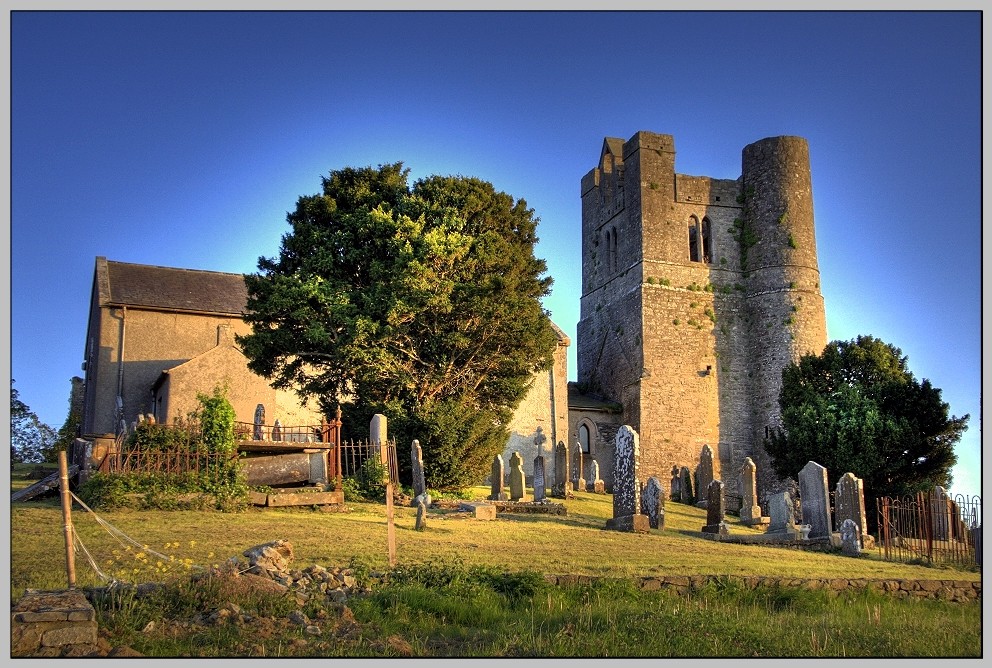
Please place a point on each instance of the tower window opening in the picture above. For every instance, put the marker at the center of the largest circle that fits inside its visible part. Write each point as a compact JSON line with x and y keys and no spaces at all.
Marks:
{"x":693,"y":240}
{"x":611,"y":249}
{"x":707,"y":241}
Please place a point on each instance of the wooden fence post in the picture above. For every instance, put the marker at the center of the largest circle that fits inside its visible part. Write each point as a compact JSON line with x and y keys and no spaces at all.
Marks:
{"x":390,"y":527}
{"x":70,"y":562}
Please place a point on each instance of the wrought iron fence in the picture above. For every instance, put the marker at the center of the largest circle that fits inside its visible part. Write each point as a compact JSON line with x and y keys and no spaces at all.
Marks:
{"x":177,"y":459}
{"x":355,"y":453}
{"x":931,"y":527}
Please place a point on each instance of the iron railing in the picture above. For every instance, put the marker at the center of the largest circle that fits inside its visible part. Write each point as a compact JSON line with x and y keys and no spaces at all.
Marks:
{"x":930,"y":527}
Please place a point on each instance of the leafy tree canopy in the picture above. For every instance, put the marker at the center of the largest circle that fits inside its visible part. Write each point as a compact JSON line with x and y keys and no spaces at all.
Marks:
{"x":414,"y":301}
{"x":856,"y":407}
{"x":31,"y":440}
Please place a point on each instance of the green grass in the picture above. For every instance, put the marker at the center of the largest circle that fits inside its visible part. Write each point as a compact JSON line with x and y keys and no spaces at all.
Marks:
{"x":447,"y":609}
{"x":468,"y":608}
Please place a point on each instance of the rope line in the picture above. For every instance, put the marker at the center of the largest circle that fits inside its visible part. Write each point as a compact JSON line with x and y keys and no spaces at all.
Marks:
{"x":78,"y":545}
{"x":122,"y":537}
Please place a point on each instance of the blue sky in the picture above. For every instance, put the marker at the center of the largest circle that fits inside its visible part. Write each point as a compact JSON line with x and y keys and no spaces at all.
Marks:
{"x":182,"y":139}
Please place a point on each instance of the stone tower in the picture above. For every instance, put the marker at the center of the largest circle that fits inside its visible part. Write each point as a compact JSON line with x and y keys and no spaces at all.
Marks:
{"x":696,"y":292}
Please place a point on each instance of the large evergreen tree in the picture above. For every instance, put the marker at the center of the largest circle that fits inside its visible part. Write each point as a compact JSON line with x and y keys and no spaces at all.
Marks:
{"x":857,"y":407}
{"x":422,"y":303}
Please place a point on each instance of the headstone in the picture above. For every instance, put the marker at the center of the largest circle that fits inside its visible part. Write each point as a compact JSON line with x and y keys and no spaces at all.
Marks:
{"x":686,"y":485}
{"x":560,"y":487}
{"x":378,"y":429}
{"x":496,"y":477}
{"x":850,"y":538}
{"x":626,"y":486}
{"x":578,"y":482}
{"x":417,"y":467}
{"x":849,"y":503}
{"x":421,"y":516}
{"x":704,"y":475}
{"x":653,"y":503}
{"x":750,"y":512}
{"x":714,"y":507}
{"x":782,"y":513}
{"x":259,"y":423}
{"x":277,"y":430}
{"x":676,"y":484}
{"x":595,"y":484}
{"x":517,"y":477}
{"x":815,"y":498}
{"x":539,"y":491}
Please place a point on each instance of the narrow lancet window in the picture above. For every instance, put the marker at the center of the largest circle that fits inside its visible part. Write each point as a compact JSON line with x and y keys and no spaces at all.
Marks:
{"x":693,"y":240}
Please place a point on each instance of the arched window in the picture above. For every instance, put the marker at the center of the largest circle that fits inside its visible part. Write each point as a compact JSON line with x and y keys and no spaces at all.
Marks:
{"x":693,"y":239}
{"x":584,"y":438}
{"x":707,"y":241}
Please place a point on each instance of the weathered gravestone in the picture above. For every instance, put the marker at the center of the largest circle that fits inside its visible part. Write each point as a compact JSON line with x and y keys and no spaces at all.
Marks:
{"x":559,"y":489}
{"x":377,"y":429}
{"x":714,"y":507}
{"x":539,"y":491}
{"x":496,"y":477}
{"x":421,"y":516}
{"x":676,"y":484}
{"x":626,"y":486}
{"x":686,"y":485}
{"x":653,"y":503}
{"x":814,"y":496}
{"x":750,"y":512}
{"x":849,"y":503}
{"x":850,"y":538}
{"x":417,"y":464}
{"x":578,"y":482}
{"x":704,"y":475}
{"x":782,"y":514}
{"x":517,"y":478}
{"x":595,"y":484}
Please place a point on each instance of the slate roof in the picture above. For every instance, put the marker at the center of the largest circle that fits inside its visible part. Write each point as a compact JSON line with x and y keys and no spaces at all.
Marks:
{"x":169,"y":288}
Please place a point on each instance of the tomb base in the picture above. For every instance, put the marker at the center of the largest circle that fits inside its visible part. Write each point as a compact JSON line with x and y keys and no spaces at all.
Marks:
{"x":630,"y":523}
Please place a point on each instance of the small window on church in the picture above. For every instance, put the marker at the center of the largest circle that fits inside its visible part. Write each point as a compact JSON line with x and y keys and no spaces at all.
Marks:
{"x":693,"y":240}
{"x":707,"y":242}
{"x":584,"y":438}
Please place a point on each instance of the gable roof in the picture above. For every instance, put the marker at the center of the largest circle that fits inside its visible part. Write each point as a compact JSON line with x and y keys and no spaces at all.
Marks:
{"x":169,"y":288}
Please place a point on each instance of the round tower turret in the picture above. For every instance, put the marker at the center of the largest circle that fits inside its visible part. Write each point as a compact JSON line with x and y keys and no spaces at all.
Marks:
{"x":778,"y":259}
